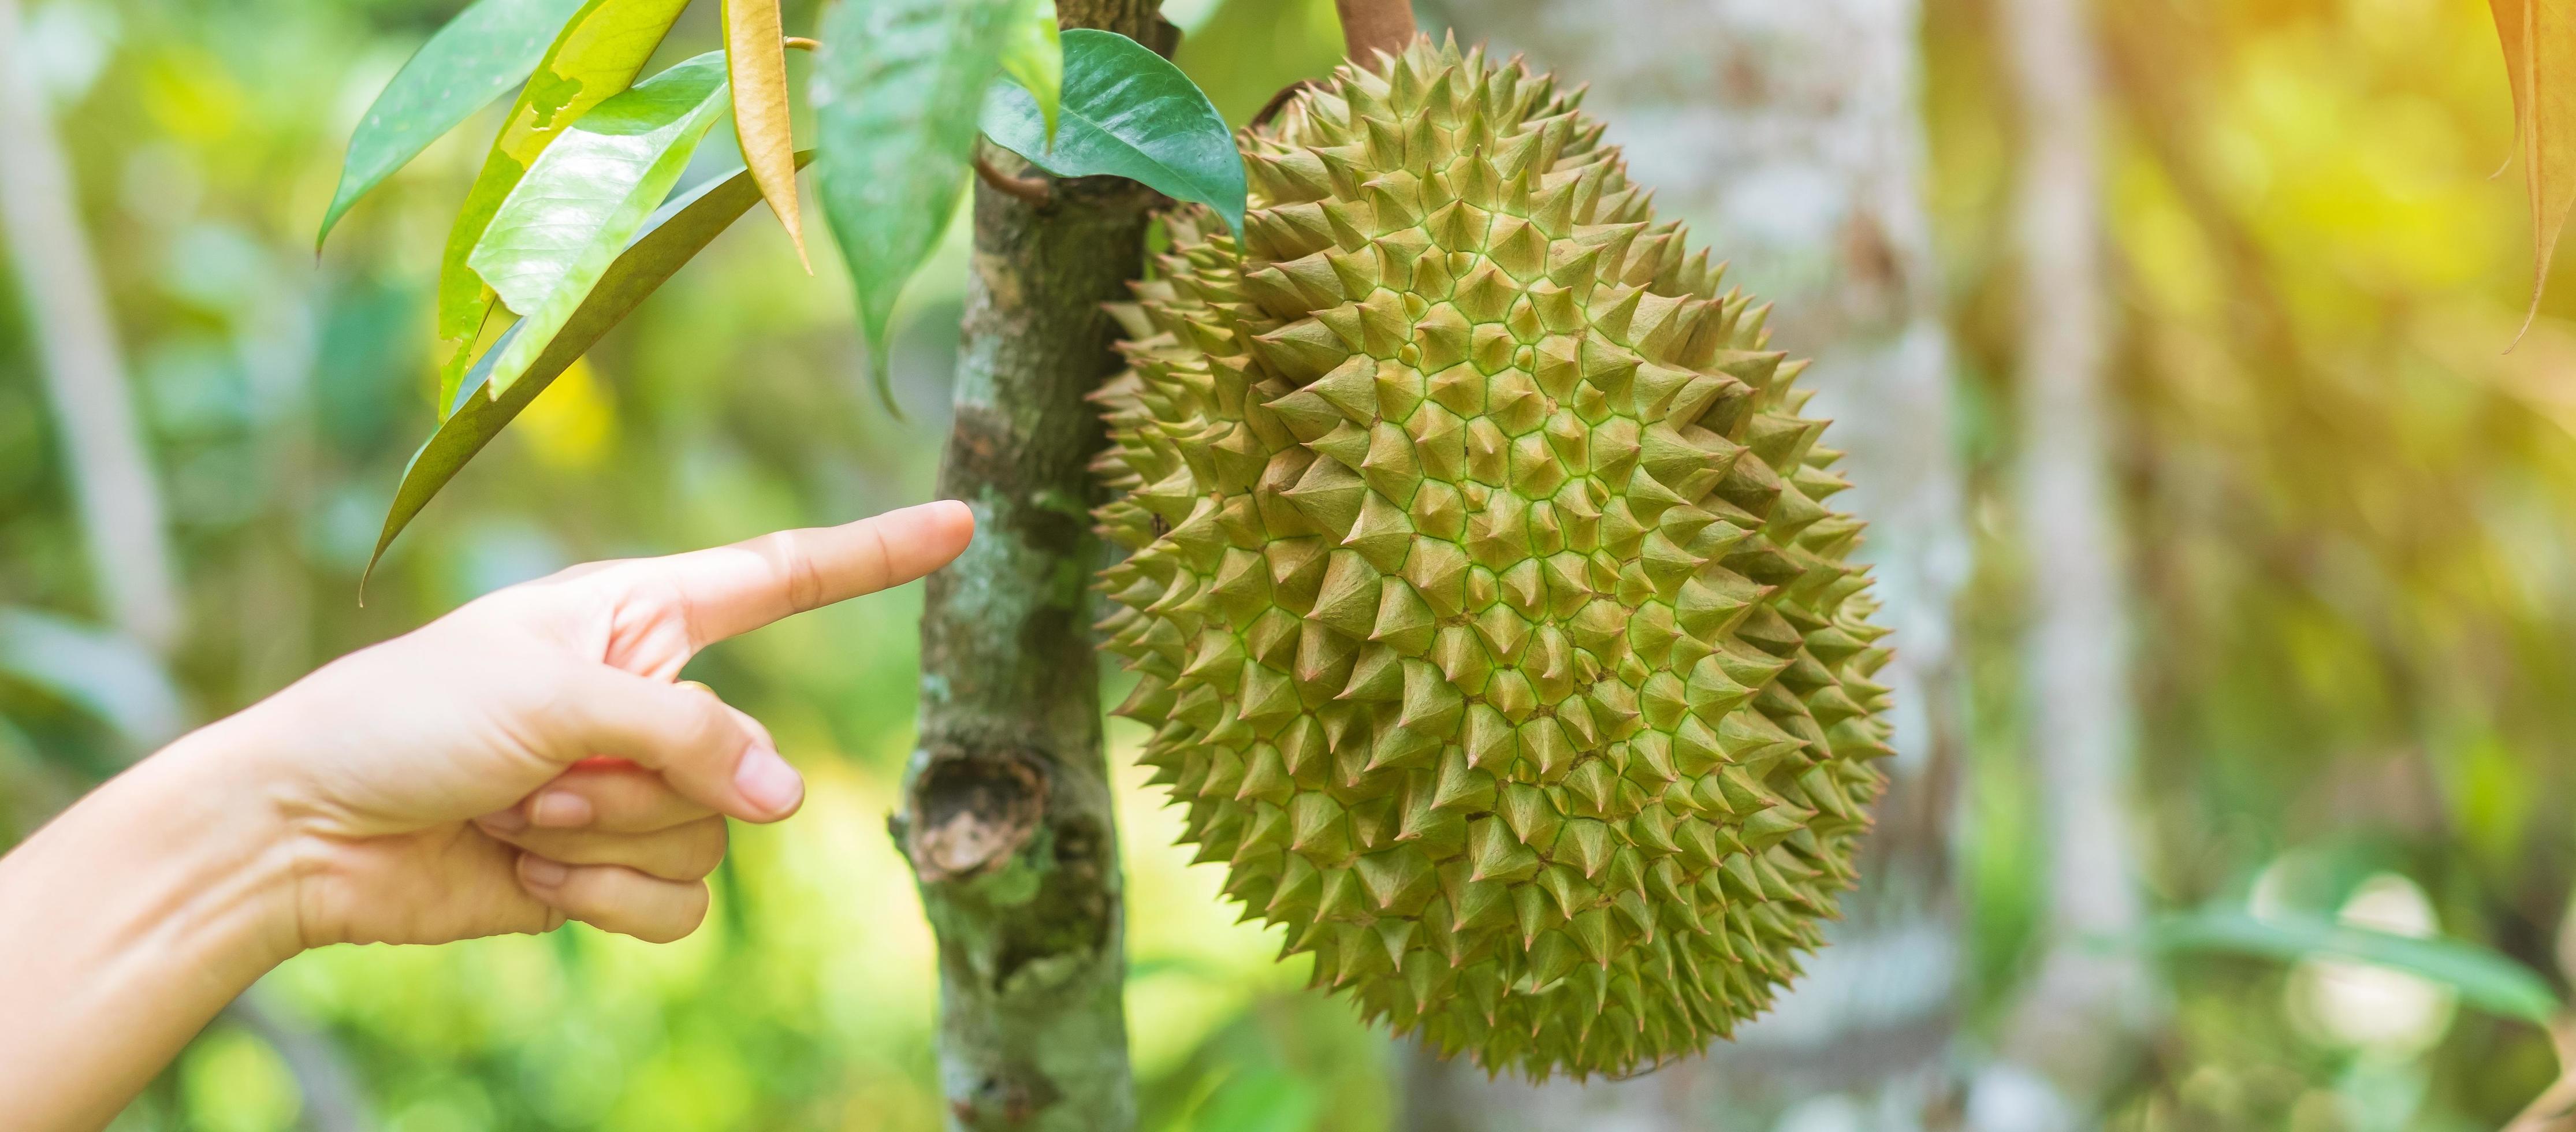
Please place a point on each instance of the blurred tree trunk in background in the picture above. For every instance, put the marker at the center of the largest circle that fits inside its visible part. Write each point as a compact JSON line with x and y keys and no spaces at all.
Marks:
{"x":1007,"y":815}
{"x":2075,"y":1015}
{"x":1789,"y":135}
{"x":117,"y":495}
{"x":118,"y":501}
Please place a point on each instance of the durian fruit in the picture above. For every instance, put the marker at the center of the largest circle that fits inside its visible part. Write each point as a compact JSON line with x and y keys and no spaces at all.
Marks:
{"x":1481,"y":590}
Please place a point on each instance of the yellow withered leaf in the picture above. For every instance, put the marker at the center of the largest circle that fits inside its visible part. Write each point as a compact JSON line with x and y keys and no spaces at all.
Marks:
{"x":2540,"y":62}
{"x":756,"y":61}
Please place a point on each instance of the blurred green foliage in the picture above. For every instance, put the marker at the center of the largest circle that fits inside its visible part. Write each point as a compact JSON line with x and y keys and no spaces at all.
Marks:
{"x":2350,"y":515}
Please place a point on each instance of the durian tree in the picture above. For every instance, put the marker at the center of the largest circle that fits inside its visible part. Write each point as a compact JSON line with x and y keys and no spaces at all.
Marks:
{"x":1476,"y":563}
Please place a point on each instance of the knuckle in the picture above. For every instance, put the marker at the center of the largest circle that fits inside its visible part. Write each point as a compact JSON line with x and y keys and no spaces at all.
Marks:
{"x":681,"y":917}
{"x":548,"y":917}
{"x":552,"y":709}
{"x":797,"y":568}
{"x":711,"y":731}
{"x":704,"y":848}
{"x":884,"y":553}
{"x":712,"y":739}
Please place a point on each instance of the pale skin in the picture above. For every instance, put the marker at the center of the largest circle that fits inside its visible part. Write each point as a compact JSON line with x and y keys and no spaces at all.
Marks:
{"x":529,"y":759}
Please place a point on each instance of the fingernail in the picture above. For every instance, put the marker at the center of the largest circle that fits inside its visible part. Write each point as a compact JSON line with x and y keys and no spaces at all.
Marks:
{"x":542,"y":872}
{"x":560,"y":809}
{"x":503,"y":821}
{"x":766,"y":781}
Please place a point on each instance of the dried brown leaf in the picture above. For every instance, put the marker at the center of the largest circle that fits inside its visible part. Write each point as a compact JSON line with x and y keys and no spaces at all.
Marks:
{"x":756,"y":61}
{"x":2539,"y":39}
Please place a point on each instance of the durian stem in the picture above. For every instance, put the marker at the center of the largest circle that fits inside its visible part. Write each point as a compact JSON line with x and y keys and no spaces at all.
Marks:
{"x":1370,"y":27}
{"x":1006,"y":813}
{"x":1036,"y":191}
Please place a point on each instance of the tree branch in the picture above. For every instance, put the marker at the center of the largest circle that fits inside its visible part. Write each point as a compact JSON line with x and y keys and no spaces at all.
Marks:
{"x":1374,"y":27}
{"x":1007,"y":815}
{"x":333,"y":1100}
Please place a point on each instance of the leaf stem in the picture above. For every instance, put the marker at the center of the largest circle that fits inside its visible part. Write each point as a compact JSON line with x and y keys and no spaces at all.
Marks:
{"x":800,"y":43}
{"x":1280,"y":101}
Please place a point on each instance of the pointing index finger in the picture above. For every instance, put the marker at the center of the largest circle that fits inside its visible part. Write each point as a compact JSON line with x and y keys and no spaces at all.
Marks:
{"x":729,"y":590}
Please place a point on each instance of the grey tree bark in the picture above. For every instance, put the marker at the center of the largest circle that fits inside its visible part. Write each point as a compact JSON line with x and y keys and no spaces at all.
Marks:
{"x":1007,"y":818}
{"x":1789,"y":135}
{"x":2069,"y":1027}
{"x":84,"y":371}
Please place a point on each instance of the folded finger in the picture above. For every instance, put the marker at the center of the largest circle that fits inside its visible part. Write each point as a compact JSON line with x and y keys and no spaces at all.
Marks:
{"x":683,"y":852}
{"x":617,"y":899}
{"x":611,"y":797}
{"x":708,"y":752}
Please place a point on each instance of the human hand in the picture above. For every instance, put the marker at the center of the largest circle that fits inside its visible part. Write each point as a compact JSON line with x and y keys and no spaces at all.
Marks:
{"x":525,"y":759}
{"x":530,"y":758}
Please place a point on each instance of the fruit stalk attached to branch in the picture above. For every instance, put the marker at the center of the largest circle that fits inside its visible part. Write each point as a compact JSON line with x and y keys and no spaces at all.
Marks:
{"x":1372,"y":28}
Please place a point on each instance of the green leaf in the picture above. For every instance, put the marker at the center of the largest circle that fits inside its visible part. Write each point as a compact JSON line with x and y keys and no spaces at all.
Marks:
{"x":584,"y":198}
{"x":107,"y":675}
{"x":1034,"y":58}
{"x":896,"y":90}
{"x":1130,"y":113}
{"x":2486,"y":979}
{"x":675,"y":234}
{"x":487,"y":49}
{"x":594,"y":58}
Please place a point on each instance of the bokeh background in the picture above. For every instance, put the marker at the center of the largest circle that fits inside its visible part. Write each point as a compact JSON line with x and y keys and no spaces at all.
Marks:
{"x":2342,"y":513}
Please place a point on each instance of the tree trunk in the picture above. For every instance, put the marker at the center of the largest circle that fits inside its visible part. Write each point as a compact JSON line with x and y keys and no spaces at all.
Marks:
{"x":2072,"y":1019}
{"x":1007,"y":818}
{"x":1789,"y":135}
{"x":110,"y":474}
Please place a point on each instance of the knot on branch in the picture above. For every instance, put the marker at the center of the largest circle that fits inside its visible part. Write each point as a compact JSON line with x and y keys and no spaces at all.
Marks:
{"x":971,"y":812}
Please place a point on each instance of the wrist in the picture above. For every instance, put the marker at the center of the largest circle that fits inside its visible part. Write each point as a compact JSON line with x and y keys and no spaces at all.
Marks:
{"x":132,"y":918}
{"x":212,"y":830}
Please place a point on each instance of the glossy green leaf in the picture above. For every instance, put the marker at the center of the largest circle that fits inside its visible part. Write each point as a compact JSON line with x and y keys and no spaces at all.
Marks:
{"x":896,"y":91}
{"x":584,"y":198}
{"x":1130,"y":113}
{"x":488,"y":48}
{"x":2488,"y":980}
{"x":671,"y":238}
{"x":1034,"y":58}
{"x":596,"y":56}
{"x":107,"y":675}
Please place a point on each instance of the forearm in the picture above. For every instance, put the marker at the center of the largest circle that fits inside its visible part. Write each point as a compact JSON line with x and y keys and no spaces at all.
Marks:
{"x":127,"y":923}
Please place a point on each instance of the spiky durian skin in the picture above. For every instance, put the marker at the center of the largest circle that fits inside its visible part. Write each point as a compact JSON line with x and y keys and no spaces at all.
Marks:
{"x":1480,"y":589}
